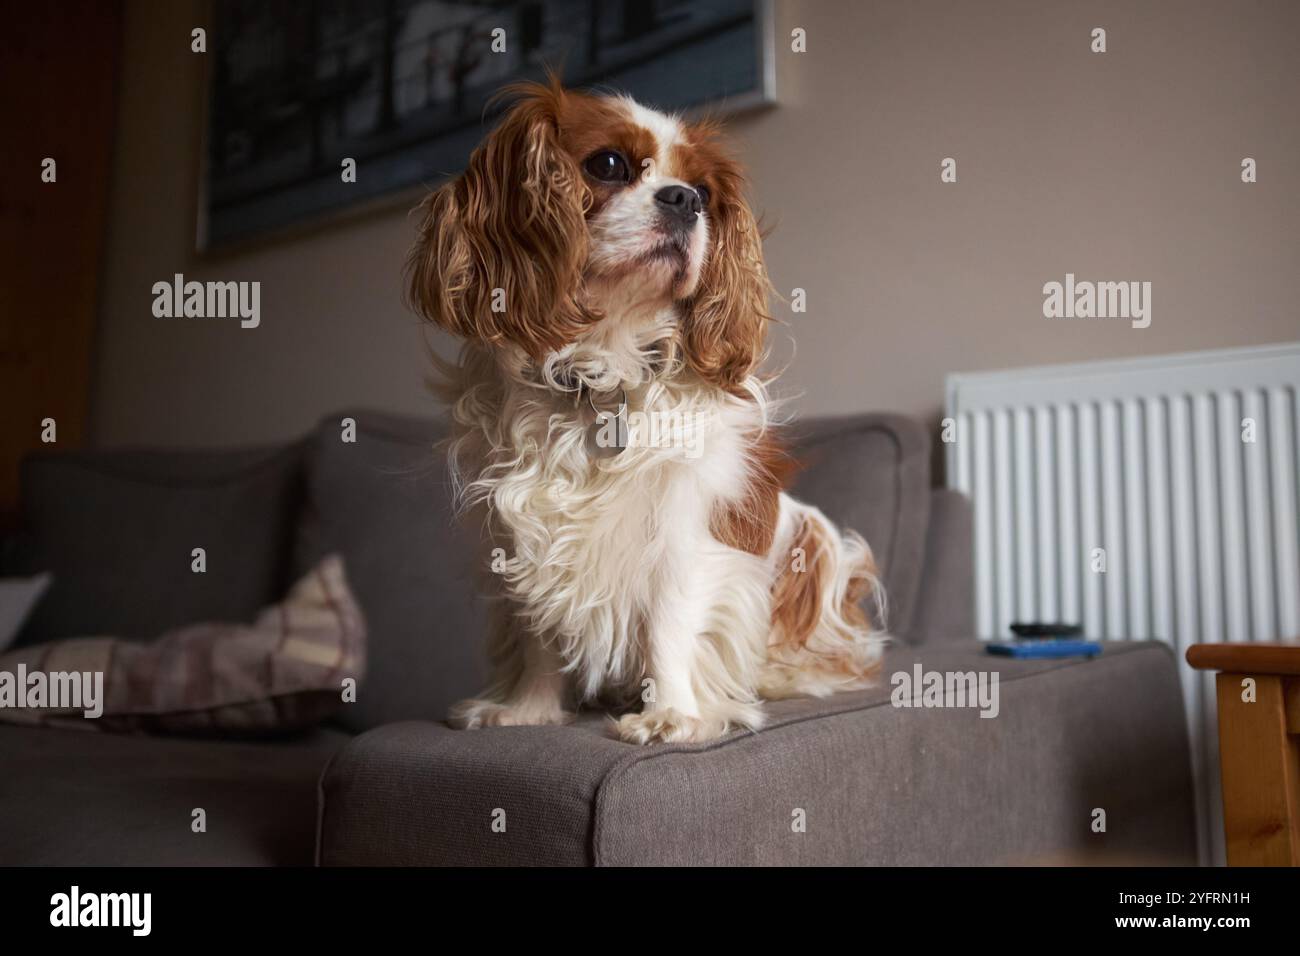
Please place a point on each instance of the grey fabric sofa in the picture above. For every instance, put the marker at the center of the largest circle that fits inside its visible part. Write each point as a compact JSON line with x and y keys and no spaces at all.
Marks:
{"x":848,"y":780}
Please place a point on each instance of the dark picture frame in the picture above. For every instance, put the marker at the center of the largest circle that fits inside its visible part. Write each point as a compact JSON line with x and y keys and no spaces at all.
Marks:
{"x":404,"y":88}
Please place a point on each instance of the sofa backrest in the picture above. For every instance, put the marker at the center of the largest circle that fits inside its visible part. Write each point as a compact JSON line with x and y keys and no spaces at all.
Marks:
{"x":117,"y":530}
{"x":384,"y":502}
{"x":871,"y":473}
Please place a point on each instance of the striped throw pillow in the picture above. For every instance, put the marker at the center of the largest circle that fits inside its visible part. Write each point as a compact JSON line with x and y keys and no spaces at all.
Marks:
{"x":293,"y":667}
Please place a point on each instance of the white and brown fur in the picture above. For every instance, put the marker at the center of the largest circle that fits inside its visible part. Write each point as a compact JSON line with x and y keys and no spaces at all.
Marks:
{"x":690,"y":584}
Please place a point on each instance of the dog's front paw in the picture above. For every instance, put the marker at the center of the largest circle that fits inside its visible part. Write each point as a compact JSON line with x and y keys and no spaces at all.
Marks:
{"x":667,"y":726}
{"x":474,"y":713}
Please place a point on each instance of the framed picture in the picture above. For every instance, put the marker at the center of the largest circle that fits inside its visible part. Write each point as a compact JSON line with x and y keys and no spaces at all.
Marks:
{"x":401,"y":89}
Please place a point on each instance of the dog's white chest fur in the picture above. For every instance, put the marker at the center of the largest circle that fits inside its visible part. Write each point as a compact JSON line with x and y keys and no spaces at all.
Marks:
{"x":595,"y":543}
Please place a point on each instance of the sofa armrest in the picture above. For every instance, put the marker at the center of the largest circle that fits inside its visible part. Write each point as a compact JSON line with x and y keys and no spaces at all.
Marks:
{"x":418,"y":793}
{"x":849,"y":779}
{"x":945,"y":608}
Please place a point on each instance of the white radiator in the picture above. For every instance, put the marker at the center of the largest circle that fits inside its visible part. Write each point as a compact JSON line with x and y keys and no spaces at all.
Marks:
{"x":1179,"y":472}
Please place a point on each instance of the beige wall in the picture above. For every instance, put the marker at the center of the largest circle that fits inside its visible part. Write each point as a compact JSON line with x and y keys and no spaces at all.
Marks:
{"x":1121,"y":166}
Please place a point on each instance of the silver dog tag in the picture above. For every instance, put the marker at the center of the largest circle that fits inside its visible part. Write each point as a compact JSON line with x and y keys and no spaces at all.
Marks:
{"x":609,"y":432}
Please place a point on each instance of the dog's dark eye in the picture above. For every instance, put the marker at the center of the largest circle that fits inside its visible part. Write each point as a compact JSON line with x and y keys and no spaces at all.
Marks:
{"x":703,"y":192}
{"x":608,"y":167}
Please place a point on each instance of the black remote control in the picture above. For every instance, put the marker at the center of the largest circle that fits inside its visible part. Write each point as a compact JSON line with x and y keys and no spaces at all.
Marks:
{"x":1036,"y":630}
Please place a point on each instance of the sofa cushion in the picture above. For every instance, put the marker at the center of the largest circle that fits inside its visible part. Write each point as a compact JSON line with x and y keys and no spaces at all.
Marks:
{"x":69,"y":798}
{"x":871,"y":473}
{"x":383,"y":502}
{"x":117,"y":530}
{"x":876,"y":783}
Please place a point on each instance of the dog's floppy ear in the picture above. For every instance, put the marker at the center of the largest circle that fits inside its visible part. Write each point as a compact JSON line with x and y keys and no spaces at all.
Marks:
{"x":725,"y":326}
{"x":501,"y":248}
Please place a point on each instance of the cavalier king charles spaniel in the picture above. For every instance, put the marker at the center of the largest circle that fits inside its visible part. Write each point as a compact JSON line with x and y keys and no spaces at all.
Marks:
{"x":615,"y":438}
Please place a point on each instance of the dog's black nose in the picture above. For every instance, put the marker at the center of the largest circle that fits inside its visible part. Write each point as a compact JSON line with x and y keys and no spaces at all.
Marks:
{"x":678,"y":202}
